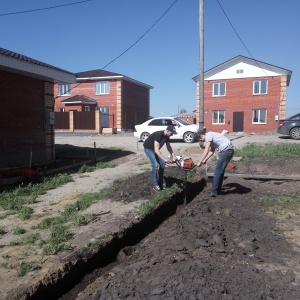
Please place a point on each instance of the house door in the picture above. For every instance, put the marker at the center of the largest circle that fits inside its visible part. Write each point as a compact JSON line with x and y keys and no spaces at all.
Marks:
{"x":238,"y":121}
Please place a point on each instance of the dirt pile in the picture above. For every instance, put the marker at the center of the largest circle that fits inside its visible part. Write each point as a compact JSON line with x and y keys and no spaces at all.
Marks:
{"x":230,"y":247}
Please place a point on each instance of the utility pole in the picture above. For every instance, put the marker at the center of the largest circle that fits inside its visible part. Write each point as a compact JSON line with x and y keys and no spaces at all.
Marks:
{"x":201,"y":66}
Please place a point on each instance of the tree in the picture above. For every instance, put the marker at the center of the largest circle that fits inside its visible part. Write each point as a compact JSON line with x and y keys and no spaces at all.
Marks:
{"x":182,"y":111}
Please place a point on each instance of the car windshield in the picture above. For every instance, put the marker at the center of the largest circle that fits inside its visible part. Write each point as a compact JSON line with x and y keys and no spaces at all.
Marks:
{"x":295,"y":117}
{"x":181,"y":121}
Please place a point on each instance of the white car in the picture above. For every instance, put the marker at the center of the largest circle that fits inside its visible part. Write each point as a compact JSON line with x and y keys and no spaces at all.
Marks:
{"x":184,"y":130}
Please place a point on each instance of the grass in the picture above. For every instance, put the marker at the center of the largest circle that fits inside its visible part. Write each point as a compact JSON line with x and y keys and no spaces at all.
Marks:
{"x":253,"y":150}
{"x":98,"y":243}
{"x":147,"y":207}
{"x":99,"y":165}
{"x":17,"y":199}
{"x":26,"y":267}
{"x":59,"y":234}
{"x":279,"y":202}
{"x":18,"y":230}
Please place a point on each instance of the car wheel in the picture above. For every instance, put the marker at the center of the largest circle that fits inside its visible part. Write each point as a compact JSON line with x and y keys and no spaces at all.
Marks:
{"x":295,"y":133}
{"x":189,"y":137}
{"x":144,"y":136}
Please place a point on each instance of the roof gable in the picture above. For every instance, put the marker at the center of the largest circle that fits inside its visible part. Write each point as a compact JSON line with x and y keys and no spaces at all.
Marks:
{"x":244,"y":67}
{"x":100,"y":74}
{"x":17,"y":63}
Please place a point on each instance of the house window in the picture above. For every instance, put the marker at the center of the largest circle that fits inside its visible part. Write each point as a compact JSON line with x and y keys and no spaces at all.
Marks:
{"x":64,"y":90}
{"x":259,"y":116}
{"x":61,"y":109}
{"x":86,"y":108}
{"x":219,"y":89}
{"x":240,"y":71}
{"x":218,"y":116}
{"x":260,"y":87}
{"x":102,"y":87}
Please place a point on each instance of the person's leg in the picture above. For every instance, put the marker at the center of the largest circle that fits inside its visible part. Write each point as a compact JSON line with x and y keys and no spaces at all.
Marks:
{"x":161,"y":171}
{"x":219,"y":172}
{"x":151,"y":156}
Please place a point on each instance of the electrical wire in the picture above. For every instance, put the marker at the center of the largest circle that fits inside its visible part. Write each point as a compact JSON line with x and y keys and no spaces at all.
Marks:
{"x":45,"y":8}
{"x":131,"y":46}
{"x":241,"y":39}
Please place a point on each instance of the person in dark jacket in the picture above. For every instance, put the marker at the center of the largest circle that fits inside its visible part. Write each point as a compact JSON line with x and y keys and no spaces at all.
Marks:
{"x":152,"y":146}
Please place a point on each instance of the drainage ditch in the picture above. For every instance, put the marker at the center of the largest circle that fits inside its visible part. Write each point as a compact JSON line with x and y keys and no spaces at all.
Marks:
{"x":79,"y":266}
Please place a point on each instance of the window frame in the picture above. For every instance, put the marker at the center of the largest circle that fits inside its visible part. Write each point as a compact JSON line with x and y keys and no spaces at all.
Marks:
{"x":102,"y":88}
{"x":259,"y":116}
{"x":218,"y":94}
{"x":64,"y":89}
{"x":259,"y":82}
{"x":218,"y":118}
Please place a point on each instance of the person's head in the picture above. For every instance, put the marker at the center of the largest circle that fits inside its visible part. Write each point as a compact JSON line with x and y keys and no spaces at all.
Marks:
{"x":201,"y":134}
{"x":170,"y":130}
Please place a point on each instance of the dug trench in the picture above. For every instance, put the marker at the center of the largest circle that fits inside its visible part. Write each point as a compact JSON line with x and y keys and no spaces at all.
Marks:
{"x":230,"y":247}
{"x":79,"y":265}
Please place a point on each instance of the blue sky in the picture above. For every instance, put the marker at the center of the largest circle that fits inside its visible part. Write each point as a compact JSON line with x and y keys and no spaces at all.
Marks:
{"x":91,"y":34}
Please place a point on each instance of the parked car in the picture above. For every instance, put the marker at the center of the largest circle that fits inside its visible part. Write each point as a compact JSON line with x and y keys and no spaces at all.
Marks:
{"x":185,"y":131}
{"x":290,"y":126}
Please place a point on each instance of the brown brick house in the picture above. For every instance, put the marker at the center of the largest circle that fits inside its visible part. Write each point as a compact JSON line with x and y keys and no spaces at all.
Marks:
{"x":127,"y":101}
{"x":244,"y":95}
{"x":26,"y":109}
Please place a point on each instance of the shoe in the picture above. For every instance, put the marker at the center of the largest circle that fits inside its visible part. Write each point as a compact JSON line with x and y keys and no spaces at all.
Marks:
{"x":213,"y":194}
{"x":156,"y":188}
{"x":163,"y":187}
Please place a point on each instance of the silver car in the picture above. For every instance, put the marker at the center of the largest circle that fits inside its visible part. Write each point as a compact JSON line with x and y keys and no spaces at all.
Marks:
{"x":290,"y":126}
{"x":185,"y":131}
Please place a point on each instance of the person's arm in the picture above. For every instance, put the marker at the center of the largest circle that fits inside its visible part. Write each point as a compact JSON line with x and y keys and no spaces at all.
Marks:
{"x":168,"y":145}
{"x":207,"y":153}
{"x":159,"y":154}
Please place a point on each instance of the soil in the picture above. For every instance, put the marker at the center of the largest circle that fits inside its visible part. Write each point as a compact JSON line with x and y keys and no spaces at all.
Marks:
{"x":230,"y":247}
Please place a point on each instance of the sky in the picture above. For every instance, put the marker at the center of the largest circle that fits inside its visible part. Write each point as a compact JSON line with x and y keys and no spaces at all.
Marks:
{"x":156,"y":41}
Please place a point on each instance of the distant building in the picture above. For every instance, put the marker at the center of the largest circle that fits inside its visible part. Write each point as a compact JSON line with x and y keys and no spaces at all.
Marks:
{"x":244,"y":95}
{"x":188,"y":117}
{"x":126,"y":100}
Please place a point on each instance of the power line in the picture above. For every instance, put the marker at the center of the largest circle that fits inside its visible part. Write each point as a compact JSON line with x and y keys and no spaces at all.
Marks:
{"x":241,"y":38}
{"x":45,"y":8}
{"x":131,"y":46}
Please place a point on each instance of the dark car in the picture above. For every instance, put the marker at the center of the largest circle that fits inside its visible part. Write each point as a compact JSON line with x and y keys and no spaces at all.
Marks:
{"x":290,"y":126}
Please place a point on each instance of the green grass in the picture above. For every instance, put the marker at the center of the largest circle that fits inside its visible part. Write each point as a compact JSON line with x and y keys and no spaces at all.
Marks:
{"x":82,"y":219}
{"x":147,"y":207}
{"x":25,"y":212}
{"x":253,"y":150}
{"x":48,"y":222}
{"x":16,"y":199}
{"x":86,"y":169}
{"x":104,"y":165}
{"x":26,"y":267}
{"x":59,"y":234}
{"x":99,"y":165}
{"x":281,"y":201}
{"x":18,"y":230}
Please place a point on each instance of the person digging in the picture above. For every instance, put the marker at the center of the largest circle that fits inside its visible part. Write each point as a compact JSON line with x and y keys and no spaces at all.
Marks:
{"x":216,"y":141}
{"x":152,"y":146}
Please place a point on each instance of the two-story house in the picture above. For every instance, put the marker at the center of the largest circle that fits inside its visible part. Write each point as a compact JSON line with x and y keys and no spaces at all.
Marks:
{"x":243,"y":95}
{"x":27,"y":109}
{"x":126,"y":100}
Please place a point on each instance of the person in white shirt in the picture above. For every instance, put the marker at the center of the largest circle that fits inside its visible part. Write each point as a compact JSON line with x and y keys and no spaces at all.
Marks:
{"x":216,"y":141}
